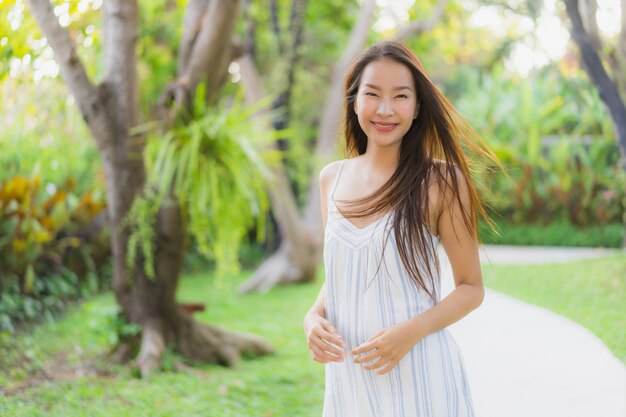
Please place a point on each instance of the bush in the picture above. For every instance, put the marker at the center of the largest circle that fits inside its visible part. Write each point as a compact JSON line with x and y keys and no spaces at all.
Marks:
{"x":555,"y":234}
{"x":552,"y":134}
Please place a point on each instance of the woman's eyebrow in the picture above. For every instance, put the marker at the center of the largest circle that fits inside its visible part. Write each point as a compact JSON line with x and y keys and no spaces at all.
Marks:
{"x":402,"y":87}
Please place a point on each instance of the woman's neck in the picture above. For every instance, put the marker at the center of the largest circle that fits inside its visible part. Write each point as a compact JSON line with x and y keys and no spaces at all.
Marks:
{"x":381,"y":159}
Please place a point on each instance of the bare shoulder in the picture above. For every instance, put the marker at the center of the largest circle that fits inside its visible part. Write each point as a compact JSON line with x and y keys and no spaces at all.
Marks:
{"x":328,"y":174}
{"x":441,"y":180}
{"x":441,"y":189}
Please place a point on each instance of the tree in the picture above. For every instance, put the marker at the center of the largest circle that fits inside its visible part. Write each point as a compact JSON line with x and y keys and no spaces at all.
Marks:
{"x":111,"y":109}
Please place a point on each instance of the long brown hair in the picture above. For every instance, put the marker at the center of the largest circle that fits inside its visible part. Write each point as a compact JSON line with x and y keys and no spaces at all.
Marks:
{"x":438,"y":132}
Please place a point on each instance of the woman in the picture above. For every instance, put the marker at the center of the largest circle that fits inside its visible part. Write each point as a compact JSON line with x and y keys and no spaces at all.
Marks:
{"x":378,"y":323}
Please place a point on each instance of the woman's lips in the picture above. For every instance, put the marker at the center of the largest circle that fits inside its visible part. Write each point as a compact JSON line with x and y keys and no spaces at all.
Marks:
{"x":384,"y":127}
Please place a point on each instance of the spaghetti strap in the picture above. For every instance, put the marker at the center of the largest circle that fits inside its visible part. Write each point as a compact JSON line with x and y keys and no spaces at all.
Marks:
{"x":332,"y":193}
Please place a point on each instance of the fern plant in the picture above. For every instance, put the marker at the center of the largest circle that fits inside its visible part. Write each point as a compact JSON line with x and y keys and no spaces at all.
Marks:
{"x":217,"y":168}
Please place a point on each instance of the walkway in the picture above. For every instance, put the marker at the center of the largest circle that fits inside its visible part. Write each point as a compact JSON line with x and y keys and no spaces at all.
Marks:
{"x":526,"y":361}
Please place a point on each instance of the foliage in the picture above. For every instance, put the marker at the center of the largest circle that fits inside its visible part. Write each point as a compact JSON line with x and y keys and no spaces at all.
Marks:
{"x":47,"y":297}
{"x":24,"y":41}
{"x":157,"y":43}
{"x":44,"y":136}
{"x":30,"y":221}
{"x":561,"y":167}
{"x":218,"y":175}
{"x":554,"y":234}
{"x":141,"y":221}
{"x":34,"y":248}
{"x":50,"y":186}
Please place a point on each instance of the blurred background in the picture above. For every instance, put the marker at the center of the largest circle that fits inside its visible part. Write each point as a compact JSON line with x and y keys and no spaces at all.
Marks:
{"x":188,"y":136}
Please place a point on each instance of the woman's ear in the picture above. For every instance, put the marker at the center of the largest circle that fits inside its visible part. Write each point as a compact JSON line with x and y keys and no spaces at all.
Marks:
{"x":417,"y":110}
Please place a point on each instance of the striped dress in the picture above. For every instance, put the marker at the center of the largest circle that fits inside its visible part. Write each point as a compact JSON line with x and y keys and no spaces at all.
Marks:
{"x":368,"y":290}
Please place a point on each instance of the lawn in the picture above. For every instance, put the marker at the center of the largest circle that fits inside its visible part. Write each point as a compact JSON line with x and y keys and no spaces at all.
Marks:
{"x":589,"y":292}
{"x":286,"y":384}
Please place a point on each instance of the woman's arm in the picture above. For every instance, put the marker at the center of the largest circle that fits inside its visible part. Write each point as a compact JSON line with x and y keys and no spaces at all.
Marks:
{"x":318,"y":306}
{"x":319,"y":332}
{"x":462,"y":251}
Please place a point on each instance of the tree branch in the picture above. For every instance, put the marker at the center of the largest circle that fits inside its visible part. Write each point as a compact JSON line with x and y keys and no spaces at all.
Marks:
{"x":195,"y":12}
{"x":72,"y":70}
{"x":210,"y":53}
{"x":208,"y":57}
{"x":588,"y":11}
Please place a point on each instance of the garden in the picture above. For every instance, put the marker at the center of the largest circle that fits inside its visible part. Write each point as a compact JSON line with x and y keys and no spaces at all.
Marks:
{"x":207,"y":204}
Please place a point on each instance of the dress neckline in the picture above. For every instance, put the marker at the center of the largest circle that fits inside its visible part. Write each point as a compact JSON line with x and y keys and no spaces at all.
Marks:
{"x":354,"y":226}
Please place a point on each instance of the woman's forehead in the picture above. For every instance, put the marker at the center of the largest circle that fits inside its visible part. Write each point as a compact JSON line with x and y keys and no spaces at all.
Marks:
{"x":387,"y":74}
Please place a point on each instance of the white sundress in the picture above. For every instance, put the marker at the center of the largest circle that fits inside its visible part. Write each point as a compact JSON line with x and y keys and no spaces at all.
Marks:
{"x":364,"y":295}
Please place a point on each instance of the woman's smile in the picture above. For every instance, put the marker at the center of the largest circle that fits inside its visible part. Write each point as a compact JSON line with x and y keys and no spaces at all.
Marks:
{"x":384,"y":126}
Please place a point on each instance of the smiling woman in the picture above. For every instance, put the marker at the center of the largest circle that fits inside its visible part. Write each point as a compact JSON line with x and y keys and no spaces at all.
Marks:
{"x":378,"y":323}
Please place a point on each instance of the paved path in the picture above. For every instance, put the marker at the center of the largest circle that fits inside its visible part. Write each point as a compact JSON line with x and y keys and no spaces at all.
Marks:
{"x":525,"y":361}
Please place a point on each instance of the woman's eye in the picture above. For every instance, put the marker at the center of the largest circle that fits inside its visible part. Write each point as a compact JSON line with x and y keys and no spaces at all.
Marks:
{"x":369,"y":93}
{"x":402,"y":96}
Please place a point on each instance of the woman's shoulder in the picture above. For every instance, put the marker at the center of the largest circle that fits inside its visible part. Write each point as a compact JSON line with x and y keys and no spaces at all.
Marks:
{"x":329,"y":172}
{"x":442,"y":171}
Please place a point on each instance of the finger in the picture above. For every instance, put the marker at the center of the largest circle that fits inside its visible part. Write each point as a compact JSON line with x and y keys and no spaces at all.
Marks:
{"x":365,"y":347}
{"x":332,"y":335}
{"x":326,"y":350}
{"x":379,"y":363}
{"x":316,"y":357}
{"x":387,"y":368}
{"x":323,"y":345}
{"x":330,"y":328}
{"x":329,"y":337}
{"x":369,"y":357}
{"x":320,"y":333}
{"x":323,"y":356}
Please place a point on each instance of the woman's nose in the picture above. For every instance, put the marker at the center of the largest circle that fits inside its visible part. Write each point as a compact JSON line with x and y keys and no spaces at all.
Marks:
{"x":384,"y":108}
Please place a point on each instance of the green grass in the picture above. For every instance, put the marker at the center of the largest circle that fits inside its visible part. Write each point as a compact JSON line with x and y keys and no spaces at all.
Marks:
{"x":589,"y":292}
{"x":288,"y":383}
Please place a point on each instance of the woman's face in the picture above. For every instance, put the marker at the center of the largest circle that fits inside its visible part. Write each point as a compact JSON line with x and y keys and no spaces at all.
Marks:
{"x":386,"y":102}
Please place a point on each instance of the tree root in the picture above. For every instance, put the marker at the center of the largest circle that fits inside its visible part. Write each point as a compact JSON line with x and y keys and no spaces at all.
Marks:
{"x":197,"y":342}
{"x":279,"y":269}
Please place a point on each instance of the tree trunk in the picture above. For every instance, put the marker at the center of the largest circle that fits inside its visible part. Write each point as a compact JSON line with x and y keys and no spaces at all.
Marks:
{"x":592,"y":64}
{"x":110,"y":110}
{"x":298,"y":256}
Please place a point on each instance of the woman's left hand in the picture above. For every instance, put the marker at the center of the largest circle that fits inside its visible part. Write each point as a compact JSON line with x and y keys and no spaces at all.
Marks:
{"x":386,"y":348}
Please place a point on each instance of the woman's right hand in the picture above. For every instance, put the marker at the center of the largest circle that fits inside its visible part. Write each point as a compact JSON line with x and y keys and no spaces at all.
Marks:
{"x":325,"y":343}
